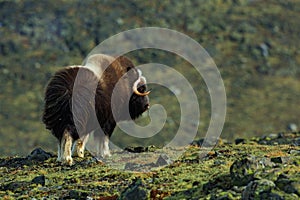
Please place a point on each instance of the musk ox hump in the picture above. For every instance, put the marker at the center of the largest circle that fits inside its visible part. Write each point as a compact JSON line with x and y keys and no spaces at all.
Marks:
{"x":97,"y":62}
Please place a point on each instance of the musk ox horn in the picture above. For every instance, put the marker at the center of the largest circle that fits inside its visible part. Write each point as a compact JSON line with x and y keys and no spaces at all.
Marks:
{"x":135,"y":90}
{"x":141,"y":80}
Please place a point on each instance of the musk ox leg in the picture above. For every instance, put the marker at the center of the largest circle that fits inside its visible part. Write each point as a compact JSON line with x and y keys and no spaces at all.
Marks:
{"x":58,"y":152}
{"x":106,"y":151}
{"x":102,"y":147}
{"x":66,"y":148}
{"x":81,"y":145}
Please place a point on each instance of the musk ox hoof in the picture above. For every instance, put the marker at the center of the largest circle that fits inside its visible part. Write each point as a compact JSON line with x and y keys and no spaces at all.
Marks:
{"x":80,"y":153}
{"x":80,"y":149}
{"x":106,"y":154}
{"x":58,"y":159}
{"x":80,"y":145}
{"x":67,"y":161}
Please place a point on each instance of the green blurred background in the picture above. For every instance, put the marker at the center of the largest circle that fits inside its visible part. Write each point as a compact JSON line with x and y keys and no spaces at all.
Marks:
{"x":255,"y":45}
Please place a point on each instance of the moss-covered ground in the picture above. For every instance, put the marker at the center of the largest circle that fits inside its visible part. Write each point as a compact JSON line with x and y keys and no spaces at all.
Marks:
{"x":247,"y":170}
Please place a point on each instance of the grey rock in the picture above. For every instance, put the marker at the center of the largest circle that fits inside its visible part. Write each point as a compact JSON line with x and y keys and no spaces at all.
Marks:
{"x":281,"y":160}
{"x":207,"y":142}
{"x":132,"y":166}
{"x":295,"y":187}
{"x":136,"y":149}
{"x":242,"y":171}
{"x":239,"y":141}
{"x":15,"y":186}
{"x":292,"y":127}
{"x":75,"y":194}
{"x":264,"y":49}
{"x":135,"y":191}
{"x":289,"y":186}
{"x":219,"y":162}
{"x":271,"y":195}
{"x":39,"y":180}
{"x":163,"y":160}
{"x":226,"y":195}
{"x":197,"y":142}
{"x":139,"y":167}
{"x":39,"y":154}
{"x":258,"y":189}
{"x":295,"y":152}
{"x":273,"y":136}
{"x":296,"y":142}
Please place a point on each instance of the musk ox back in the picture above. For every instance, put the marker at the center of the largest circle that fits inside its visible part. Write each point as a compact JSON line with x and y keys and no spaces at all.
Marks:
{"x":78,"y":100}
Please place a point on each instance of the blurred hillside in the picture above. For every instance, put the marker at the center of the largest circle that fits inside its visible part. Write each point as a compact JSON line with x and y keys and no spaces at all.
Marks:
{"x":255,"y":45}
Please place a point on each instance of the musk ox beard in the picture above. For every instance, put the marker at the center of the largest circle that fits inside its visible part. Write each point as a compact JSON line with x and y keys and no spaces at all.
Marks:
{"x":78,"y":101}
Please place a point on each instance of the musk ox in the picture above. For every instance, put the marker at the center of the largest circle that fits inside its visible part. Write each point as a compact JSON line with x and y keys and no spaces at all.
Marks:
{"x":78,"y":101}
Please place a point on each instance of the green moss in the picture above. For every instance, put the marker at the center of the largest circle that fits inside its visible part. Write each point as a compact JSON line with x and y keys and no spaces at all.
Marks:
{"x":188,"y":177}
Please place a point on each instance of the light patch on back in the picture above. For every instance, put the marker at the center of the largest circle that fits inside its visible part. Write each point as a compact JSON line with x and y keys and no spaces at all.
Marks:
{"x":97,"y":63}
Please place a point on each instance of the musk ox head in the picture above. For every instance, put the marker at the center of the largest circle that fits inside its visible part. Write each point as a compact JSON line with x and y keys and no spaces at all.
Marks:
{"x":125,"y":81}
{"x":139,"y":101}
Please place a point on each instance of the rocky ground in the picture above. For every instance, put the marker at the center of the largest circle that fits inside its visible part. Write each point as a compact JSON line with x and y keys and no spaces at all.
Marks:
{"x":260,"y":168}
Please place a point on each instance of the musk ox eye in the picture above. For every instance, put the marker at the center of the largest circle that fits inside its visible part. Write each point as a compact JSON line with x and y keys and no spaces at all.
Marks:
{"x":128,"y":69}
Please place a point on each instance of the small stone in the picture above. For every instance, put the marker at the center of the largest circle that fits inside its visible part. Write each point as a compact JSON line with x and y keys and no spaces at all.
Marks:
{"x":238,"y":189}
{"x":212,"y":141}
{"x":59,"y":187}
{"x":163,"y":160}
{"x":197,"y":142}
{"x":151,"y":148}
{"x":281,"y":135}
{"x":296,"y":142}
{"x":263,"y":142}
{"x":39,"y":180}
{"x":218,"y":162}
{"x":271,"y":195}
{"x":132,"y":166}
{"x":135,"y":149}
{"x":208,"y":142}
{"x":39,"y":154}
{"x":15,"y":186}
{"x":284,"y":183}
{"x":281,"y":160}
{"x":239,"y":141}
{"x":295,"y":152}
{"x":295,"y":187}
{"x":135,"y":191}
{"x":264,"y":49}
{"x":224,"y":195}
{"x":273,"y":136}
{"x":242,"y":171}
{"x":256,"y":188}
{"x":292,"y":127}
{"x":77,"y":194}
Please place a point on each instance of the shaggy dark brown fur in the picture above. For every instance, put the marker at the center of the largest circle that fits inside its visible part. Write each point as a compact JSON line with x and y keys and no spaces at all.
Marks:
{"x":75,"y":94}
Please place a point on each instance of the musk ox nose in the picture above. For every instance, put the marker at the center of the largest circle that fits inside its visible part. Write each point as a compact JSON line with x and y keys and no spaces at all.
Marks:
{"x":147,"y":106}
